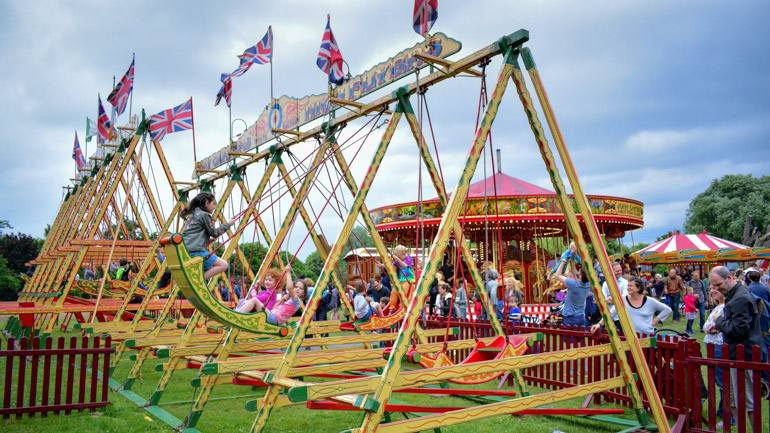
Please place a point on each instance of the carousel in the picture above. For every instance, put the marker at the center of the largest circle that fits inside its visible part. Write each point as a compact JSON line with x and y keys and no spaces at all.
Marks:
{"x":699,"y":252}
{"x":512,"y":224}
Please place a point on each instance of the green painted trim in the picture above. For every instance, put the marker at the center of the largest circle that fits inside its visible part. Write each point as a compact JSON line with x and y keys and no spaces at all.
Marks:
{"x":129,"y":383}
{"x":162,"y":353}
{"x":529,"y":61}
{"x":298,"y":394}
{"x":205,"y":185}
{"x":612,"y":420}
{"x":155,"y":398}
{"x":210,"y":369}
{"x":275,"y":153}
{"x":235,"y":172}
{"x":518,"y":37}
{"x":158,"y":367}
{"x":193,"y":417}
{"x":122,"y":146}
{"x":143,"y":125}
{"x":252,"y":405}
{"x":402,"y":95}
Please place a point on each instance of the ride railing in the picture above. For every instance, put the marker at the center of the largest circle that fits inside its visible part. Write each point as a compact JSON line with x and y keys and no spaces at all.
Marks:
{"x":688,"y":391}
{"x":41,"y":378}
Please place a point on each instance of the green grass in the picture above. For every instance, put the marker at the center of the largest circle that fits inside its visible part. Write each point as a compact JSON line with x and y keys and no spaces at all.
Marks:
{"x":226,"y":411}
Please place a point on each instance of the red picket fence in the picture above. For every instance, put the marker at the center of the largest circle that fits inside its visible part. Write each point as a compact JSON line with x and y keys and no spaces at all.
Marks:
{"x":55,"y":374}
{"x":675,"y":364}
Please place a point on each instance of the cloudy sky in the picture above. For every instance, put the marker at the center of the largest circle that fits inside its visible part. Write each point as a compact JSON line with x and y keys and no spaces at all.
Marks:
{"x":654,"y":98}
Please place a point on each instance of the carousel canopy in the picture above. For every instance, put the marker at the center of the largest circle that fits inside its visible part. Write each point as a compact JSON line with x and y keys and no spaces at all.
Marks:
{"x":520,"y":210}
{"x":701,"y":242}
{"x":504,"y":185}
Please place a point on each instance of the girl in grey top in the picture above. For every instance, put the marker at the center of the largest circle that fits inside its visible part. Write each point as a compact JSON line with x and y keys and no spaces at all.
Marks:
{"x":641,"y":309}
{"x":199,"y":230}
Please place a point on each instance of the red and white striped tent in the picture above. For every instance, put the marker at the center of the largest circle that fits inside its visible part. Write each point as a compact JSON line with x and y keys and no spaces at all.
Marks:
{"x":701,"y":242}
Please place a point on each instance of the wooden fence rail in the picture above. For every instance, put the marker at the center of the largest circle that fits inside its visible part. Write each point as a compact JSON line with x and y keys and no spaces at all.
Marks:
{"x":679,"y":369}
{"x":54,"y":374}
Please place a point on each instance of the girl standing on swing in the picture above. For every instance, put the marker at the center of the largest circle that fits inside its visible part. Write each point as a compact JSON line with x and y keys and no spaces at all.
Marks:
{"x":199,"y":230}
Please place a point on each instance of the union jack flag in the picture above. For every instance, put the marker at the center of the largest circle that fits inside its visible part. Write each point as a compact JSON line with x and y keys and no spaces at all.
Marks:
{"x":174,"y":119}
{"x":119,"y":95}
{"x":257,"y":55}
{"x":103,"y":123}
{"x":329,"y":56}
{"x":425,"y":15}
{"x":226,"y":91}
{"x":240,"y":70}
{"x":262,"y":52}
{"x":77,"y":154}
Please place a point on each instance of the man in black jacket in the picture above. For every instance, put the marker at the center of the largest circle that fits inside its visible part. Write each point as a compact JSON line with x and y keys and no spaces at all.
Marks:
{"x":739,"y":325}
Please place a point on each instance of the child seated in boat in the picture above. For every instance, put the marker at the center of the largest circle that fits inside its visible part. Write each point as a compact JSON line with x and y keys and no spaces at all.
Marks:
{"x":199,"y":230}
{"x":362,"y":304}
{"x":403,"y":262}
{"x":286,"y":306}
{"x":264,"y":294}
{"x":515,"y":312}
{"x":384,"y":301}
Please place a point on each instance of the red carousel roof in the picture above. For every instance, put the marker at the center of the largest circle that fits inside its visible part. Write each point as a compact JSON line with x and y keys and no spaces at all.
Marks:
{"x":521,"y":209}
{"x":504,"y":185}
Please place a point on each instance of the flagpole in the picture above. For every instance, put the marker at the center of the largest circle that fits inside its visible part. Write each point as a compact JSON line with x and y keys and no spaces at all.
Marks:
{"x":98,"y":107}
{"x":192,"y":120}
{"x":272,"y":51}
{"x":114,"y":111}
{"x":86,"y":136}
{"x":131,"y":96}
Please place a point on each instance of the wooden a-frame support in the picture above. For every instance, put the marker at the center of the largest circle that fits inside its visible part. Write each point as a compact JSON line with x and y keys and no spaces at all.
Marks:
{"x":509,"y":47}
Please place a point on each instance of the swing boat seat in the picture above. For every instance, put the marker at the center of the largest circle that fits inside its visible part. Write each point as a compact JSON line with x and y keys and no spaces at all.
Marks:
{"x":500,"y":348}
{"x":91,"y":288}
{"x":121,"y":287}
{"x":374,"y":322}
{"x":187,"y":272}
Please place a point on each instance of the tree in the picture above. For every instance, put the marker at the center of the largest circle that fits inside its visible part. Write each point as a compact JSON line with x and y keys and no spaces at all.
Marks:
{"x":18,"y":249}
{"x":314,"y":264}
{"x":4,"y":224}
{"x":9,"y":283}
{"x":722,"y":208}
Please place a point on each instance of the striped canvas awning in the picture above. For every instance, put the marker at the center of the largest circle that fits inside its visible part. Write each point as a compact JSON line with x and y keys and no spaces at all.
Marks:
{"x":702,"y":242}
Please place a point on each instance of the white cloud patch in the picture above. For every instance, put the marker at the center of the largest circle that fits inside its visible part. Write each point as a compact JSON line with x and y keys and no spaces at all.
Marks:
{"x":641,"y":115}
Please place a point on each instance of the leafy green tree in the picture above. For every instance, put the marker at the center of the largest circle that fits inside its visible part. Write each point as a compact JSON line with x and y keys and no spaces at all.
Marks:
{"x":9,"y":283}
{"x":314,"y":264}
{"x":722,"y":208}
{"x":4,"y":224}
{"x":18,"y":249}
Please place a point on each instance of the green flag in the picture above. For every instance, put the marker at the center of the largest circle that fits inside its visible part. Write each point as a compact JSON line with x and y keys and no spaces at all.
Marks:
{"x":91,"y":129}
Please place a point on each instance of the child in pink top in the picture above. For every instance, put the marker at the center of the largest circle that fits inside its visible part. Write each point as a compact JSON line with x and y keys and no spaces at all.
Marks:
{"x":690,"y":312}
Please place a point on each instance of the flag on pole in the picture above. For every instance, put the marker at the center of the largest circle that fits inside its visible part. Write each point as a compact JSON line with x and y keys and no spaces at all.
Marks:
{"x":260,"y":53}
{"x":226,"y":91}
{"x":103,"y":123}
{"x":425,"y":15}
{"x":91,"y":130}
{"x":329,"y":56}
{"x":119,"y":95}
{"x":77,"y":154}
{"x":174,"y":119}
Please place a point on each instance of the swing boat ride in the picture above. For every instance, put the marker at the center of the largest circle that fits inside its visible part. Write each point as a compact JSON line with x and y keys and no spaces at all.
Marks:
{"x":352,"y":373}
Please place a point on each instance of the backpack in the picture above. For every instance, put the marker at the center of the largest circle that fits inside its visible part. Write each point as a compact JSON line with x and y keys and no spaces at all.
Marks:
{"x":763,"y":308}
